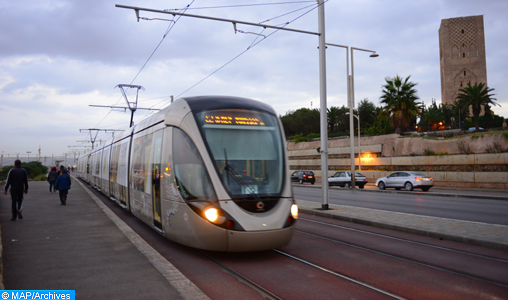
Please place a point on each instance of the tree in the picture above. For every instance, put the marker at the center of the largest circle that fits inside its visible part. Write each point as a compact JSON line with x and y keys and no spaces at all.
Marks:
{"x":475,"y":96}
{"x":302,"y":121}
{"x":381,"y":125}
{"x":367,"y":113}
{"x":459,"y":114}
{"x":431,"y":117}
{"x":399,"y":96}
{"x":333,"y":114}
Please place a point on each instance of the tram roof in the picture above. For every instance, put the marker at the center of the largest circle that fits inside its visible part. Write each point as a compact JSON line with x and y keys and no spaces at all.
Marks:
{"x":201,"y":103}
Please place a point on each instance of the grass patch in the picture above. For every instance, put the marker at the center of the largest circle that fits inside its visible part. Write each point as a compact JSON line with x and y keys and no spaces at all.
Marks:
{"x":428,"y":152}
{"x":495,"y":148}
{"x":463,"y":147}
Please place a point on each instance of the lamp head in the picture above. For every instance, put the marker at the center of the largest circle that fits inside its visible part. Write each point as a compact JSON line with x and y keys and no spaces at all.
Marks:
{"x":374,"y":54}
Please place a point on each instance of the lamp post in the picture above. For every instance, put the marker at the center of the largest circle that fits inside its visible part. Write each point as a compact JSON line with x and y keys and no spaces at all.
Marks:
{"x":351,"y":103}
{"x":28,"y":152}
{"x":359,"y":149}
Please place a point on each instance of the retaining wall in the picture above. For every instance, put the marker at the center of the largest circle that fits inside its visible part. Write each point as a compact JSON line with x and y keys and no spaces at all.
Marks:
{"x":483,"y":170}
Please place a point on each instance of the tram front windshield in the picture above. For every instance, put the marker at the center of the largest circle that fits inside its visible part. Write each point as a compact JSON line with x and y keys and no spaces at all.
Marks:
{"x":246,"y":147}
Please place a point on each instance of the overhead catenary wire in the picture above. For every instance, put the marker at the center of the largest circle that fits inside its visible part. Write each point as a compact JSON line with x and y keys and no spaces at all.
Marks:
{"x":253,"y":44}
{"x":170,"y":27}
{"x":314,"y":6}
{"x":247,"y":5}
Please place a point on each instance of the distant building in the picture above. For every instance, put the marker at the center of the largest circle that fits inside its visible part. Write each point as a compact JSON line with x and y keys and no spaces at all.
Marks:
{"x":462,"y":55}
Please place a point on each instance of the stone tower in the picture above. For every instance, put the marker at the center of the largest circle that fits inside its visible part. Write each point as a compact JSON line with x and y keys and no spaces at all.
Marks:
{"x":462,"y":55}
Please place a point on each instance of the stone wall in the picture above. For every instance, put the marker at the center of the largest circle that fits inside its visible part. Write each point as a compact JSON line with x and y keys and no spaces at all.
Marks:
{"x":384,"y":154}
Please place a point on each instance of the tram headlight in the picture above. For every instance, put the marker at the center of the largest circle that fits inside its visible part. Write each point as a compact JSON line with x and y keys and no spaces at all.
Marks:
{"x":214,"y":215}
{"x":294,"y":211}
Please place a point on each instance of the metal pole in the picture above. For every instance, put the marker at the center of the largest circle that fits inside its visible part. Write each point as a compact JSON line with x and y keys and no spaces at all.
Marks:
{"x":350,"y":104}
{"x":359,"y":149}
{"x":322,"y":92}
{"x":352,"y":123}
{"x":353,"y":183}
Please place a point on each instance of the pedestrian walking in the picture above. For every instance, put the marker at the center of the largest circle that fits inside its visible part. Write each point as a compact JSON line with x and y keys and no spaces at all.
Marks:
{"x":17,"y":179}
{"x":63,"y":185}
{"x":52,"y":176}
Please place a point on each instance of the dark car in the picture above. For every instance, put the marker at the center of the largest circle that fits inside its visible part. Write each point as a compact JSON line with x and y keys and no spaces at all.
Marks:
{"x":343,"y":178}
{"x":303,"y":176}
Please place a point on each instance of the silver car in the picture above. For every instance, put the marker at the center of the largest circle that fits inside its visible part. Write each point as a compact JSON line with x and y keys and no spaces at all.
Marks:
{"x":343,"y":178}
{"x":407,"y":180}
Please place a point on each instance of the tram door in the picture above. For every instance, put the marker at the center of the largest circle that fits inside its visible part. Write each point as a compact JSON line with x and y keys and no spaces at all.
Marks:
{"x":156,"y":180}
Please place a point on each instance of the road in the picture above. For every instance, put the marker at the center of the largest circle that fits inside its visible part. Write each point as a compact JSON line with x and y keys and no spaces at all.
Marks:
{"x":427,"y":204}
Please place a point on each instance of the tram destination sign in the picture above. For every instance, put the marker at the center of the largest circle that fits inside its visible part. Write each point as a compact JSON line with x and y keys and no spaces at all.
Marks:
{"x":228,"y":118}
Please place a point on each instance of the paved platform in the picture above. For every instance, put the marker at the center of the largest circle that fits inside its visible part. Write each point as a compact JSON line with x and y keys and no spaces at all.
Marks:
{"x":85,"y":247}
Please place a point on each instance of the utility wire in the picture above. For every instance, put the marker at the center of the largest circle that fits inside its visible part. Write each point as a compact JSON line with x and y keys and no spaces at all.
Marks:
{"x":243,"y":52}
{"x":170,"y":27}
{"x":246,"y":5}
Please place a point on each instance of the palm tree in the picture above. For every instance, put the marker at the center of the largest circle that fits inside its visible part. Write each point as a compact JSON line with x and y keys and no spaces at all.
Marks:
{"x":333,"y":114}
{"x":400,"y":97}
{"x":432,"y":116}
{"x":475,"y":96}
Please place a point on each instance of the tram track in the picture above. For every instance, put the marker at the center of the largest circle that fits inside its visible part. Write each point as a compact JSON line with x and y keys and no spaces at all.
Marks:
{"x":406,"y":240}
{"x":405,"y":258}
{"x":350,"y":279}
{"x":264,"y":292}
{"x":267,"y":294}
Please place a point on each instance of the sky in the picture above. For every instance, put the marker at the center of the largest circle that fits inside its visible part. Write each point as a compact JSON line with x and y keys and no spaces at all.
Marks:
{"x":58,"y":57}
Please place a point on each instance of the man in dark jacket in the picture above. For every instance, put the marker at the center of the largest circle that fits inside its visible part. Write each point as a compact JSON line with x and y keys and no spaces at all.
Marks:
{"x":63,"y":185}
{"x":17,"y":179}
{"x":53,"y":174}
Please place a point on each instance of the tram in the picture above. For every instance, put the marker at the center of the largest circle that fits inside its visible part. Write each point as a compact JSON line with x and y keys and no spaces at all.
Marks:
{"x":209,"y":172}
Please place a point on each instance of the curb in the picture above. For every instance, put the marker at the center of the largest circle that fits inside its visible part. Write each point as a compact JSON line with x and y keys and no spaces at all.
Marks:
{"x":433,"y":234}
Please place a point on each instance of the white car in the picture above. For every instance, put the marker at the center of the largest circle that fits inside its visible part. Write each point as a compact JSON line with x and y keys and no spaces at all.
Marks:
{"x":343,"y":178}
{"x":407,"y":180}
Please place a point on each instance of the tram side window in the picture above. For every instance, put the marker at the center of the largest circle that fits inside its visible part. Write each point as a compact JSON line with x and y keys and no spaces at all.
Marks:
{"x":190,"y":172}
{"x":140,"y":163}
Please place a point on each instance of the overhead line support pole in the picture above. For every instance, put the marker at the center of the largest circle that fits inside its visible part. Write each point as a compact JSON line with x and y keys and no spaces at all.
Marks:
{"x":323,"y":113}
{"x":137,"y":9}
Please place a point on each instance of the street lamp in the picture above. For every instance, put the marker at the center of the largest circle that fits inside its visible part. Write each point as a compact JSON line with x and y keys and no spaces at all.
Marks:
{"x":351,"y":103}
{"x":359,"y":149}
{"x":28,"y":152}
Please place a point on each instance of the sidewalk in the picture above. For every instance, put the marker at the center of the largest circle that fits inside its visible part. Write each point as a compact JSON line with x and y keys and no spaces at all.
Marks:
{"x":84,"y":247}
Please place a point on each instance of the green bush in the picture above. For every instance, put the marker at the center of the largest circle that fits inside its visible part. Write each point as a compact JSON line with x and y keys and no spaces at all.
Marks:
{"x":33,"y":168}
{"x":313,"y":136}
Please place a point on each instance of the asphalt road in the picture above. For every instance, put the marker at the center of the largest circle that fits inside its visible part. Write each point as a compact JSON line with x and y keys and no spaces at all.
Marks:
{"x":431,"y":204}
